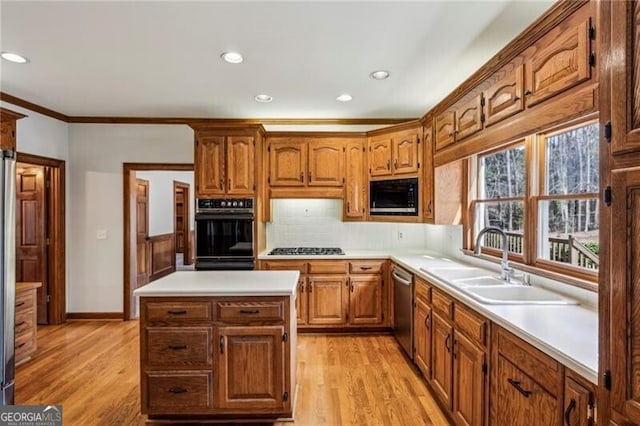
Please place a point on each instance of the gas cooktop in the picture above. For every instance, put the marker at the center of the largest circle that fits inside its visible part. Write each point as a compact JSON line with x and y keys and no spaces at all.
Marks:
{"x":306,"y":251}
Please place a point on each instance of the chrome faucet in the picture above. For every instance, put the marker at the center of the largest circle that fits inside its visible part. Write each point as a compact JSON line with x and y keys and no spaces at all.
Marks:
{"x":506,"y":270}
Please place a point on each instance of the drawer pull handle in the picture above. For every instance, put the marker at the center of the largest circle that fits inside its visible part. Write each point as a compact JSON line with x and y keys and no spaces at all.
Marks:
{"x":19,"y":304}
{"x":516,"y":384}
{"x":365,"y":268}
{"x":567,"y":414}
{"x":20,"y":323}
{"x":178,"y":347}
{"x":20,"y":345}
{"x":249,"y":312}
{"x":183,"y":312}
{"x":176,"y":389}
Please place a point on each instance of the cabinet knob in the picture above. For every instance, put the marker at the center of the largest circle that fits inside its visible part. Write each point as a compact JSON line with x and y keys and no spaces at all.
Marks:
{"x":516,"y":99}
{"x":221,"y":184}
{"x":528,"y":93}
{"x":388,"y":164}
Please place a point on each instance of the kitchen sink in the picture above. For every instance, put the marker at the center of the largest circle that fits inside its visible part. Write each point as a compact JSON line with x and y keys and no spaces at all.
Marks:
{"x":516,"y":295}
{"x":453,"y":273}
{"x":479,"y":281}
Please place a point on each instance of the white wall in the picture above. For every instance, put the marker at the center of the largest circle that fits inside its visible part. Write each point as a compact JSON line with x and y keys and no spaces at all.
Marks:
{"x":161,"y":199}
{"x":97,"y":153}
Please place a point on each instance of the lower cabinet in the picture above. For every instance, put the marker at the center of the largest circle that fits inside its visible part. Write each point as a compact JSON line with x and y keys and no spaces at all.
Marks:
{"x":328,"y":299}
{"x":442,"y":360}
{"x":422,"y":319}
{"x":365,"y":300}
{"x":469,"y":364}
{"x":579,"y":400}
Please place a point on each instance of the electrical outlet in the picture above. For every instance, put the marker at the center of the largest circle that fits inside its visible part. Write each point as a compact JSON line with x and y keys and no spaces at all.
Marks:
{"x":101,"y":234}
{"x":400,"y":235}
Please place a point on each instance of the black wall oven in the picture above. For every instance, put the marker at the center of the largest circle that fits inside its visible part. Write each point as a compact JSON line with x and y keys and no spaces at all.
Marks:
{"x":224,"y":234}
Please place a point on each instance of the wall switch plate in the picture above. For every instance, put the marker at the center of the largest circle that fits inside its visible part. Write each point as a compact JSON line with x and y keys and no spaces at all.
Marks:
{"x":400,"y":236}
{"x":101,"y":234}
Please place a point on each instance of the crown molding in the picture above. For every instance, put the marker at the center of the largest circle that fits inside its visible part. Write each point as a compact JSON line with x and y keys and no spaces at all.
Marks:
{"x":33,"y":107}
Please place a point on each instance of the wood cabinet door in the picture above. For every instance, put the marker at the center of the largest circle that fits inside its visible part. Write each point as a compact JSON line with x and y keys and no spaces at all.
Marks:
{"x":8,"y":134}
{"x":559,"y":60}
{"x":326,"y":163}
{"x":442,"y":359}
{"x":468,"y":382}
{"x":355,"y":185}
{"x":625,"y":84}
{"x":240,"y":165}
{"x":251,"y":362}
{"x":380,"y":156}
{"x":505,"y":97}
{"x":578,"y":401}
{"x":406,"y":157}
{"x":328,"y":299}
{"x":427,"y":181}
{"x":365,"y":300}
{"x":209,"y":166}
{"x":624,"y":277}
{"x":422,"y":332}
{"x":287,"y":164}
{"x":445,"y":129}
{"x":519,"y":399}
{"x":302,"y":301}
{"x":469,"y":117}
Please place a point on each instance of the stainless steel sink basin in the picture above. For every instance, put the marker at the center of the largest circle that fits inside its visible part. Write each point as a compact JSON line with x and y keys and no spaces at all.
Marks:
{"x":479,"y":281}
{"x":516,"y":295}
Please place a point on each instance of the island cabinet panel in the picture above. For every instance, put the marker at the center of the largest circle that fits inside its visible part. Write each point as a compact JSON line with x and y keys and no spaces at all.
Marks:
{"x":177,"y":311}
{"x":326,"y":163}
{"x":209,"y":165}
{"x":328,"y":299}
{"x":365,"y":299}
{"x":505,"y":96}
{"x":251,"y":365}
{"x":178,"y":392}
{"x":179,"y":346}
{"x":247,"y":312}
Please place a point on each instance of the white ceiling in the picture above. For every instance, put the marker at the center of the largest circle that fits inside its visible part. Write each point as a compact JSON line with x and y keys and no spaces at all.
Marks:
{"x":162,"y":59}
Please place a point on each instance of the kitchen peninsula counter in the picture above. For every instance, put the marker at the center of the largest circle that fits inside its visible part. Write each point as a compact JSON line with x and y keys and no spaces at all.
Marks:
{"x":218,"y":345}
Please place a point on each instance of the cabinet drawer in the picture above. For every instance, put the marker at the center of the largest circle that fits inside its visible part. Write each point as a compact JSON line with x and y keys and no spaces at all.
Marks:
{"x":285,"y":266}
{"x":25,"y":345}
{"x":246,"y":312}
{"x":177,"y":311}
{"x":182,"y":392}
{"x":547,"y":371}
{"x":25,"y":322}
{"x":442,"y":303}
{"x":470,"y":323}
{"x":329,"y":267}
{"x":179,"y":346}
{"x":366,"y":267}
{"x":423,"y":290}
{"x":25,"y":300}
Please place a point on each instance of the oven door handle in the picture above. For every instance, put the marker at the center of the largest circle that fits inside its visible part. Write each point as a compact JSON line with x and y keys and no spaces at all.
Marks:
{"x":224,"y":216}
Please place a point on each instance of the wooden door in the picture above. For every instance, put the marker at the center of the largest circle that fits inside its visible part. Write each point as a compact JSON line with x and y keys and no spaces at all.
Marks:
{"x":559,"y":60}
{"x":468,"y":382}
{"x":505,"y":96}
{"x":380,"y":156}
{"x":328,"y":299}
{"x":578,"y":403}
{"x":251,"y":362}
{"x":365,"y":300}
{"x":143,"y":263}
{"x":31,"y":232}
{"x":428,"y":170}
{"x":625,"y":84}
{"x":442,"y":359}
{"x":422,"y":330}
{"x":182,"y":220}
{"x":469,"y":117}
{"x":287,"y":164}
{"x":302,"y":301}
{"x":406,"y":152}
{"x":209,"y":166}
{"x":240,"y":165}
{"x":355,"y":185}
{"x":519,"y":398}
{"x":445,"y":129}
{"x":326,"y":163}
{"x":624,"y":277}
{"x":7,"y":134}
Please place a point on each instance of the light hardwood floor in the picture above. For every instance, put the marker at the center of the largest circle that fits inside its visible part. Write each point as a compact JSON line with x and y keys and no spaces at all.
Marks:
{"x":92,"y":369}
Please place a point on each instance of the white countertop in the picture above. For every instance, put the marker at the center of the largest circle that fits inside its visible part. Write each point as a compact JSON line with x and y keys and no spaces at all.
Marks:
{"x":567,"y":333}
{"x":222,"y":283}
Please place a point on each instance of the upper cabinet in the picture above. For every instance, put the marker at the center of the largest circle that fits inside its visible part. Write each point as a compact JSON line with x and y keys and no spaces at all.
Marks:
{"x":427,"y":179}
{"x":469,"y":116}
{"x":306,"y":162}
{"x":396,"y":153}
{"x":225,"y":162}
{"x":505,"y":96}
{"x":8,"y":120}
{"x":355,"y":183}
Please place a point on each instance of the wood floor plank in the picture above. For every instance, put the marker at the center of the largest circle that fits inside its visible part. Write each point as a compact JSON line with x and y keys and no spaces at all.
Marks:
{"x":91,"y":368}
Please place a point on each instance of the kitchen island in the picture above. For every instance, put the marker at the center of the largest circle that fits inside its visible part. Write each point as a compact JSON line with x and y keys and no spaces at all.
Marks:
{"x":218,"y":345}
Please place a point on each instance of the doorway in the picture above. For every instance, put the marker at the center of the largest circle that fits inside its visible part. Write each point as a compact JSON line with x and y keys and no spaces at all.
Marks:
{"x":131,"y":237}
{"x":40,"y":232}
{"x":142,"y":232}
{"x":182,"y":224}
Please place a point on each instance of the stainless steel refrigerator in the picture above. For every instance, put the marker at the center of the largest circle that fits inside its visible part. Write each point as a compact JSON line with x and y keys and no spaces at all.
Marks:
{"x":8,"y":278}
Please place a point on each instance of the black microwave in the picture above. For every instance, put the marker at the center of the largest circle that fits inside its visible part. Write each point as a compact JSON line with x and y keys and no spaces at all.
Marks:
{"x":394,"y":197}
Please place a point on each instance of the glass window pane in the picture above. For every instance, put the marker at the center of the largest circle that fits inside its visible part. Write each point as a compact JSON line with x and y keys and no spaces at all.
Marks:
{"x":503,"y":174}
{"x":569,"y":232}
{"x":508,"y":216}
{"x":572,"y":161}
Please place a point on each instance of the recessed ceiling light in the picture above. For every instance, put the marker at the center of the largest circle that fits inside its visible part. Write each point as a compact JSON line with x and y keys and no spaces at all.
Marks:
{"x":344,"y":97}
{"x":263,"y":98}
{"x":232,"y":57}
{"x":379,"y":75}
{"x":14,"y":57}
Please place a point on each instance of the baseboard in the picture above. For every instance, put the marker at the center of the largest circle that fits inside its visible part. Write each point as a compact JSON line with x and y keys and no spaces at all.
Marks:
{"x":95,"y":315}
